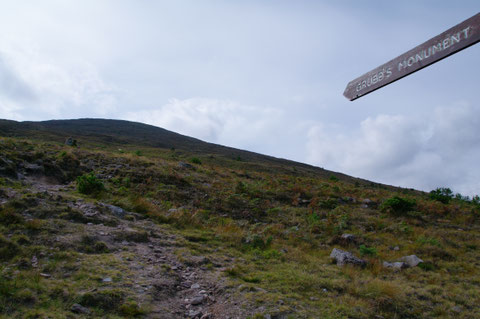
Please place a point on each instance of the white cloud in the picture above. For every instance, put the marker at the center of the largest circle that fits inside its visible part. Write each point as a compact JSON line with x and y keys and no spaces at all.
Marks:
{"x":431,"y":150}
{"x":32,"y":86}
{"x":213,"y":120}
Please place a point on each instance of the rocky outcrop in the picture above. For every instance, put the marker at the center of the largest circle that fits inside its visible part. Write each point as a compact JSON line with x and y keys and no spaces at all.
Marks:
{"x":405,"y":262}
{"x":342,"y":257}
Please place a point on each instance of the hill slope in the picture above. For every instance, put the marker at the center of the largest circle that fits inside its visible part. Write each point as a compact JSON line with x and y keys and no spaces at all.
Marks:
{"x":124,"y":133}
{"x":125,"y":226}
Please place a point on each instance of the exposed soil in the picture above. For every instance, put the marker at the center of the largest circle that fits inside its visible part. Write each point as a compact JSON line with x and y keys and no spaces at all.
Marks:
{"x":166,"y":283}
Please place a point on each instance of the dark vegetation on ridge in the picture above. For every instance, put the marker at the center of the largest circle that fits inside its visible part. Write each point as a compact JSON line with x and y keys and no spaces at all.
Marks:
{"x":137,"y":221}
{"x":126,"y":134}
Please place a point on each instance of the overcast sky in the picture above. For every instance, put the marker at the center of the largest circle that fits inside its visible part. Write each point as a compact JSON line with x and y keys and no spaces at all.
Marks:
{"x":265,"y":76}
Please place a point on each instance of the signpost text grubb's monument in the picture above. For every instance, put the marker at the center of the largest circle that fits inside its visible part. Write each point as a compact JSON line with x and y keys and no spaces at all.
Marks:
{"x":449,"y":42}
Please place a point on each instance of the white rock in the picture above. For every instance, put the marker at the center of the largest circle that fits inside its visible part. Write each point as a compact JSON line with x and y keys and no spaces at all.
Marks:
{"x":411,"y":260}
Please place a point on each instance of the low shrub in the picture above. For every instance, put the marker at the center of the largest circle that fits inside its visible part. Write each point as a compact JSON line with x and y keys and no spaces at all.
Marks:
{"x":89,"y":184}
{"x":196,"y":160}
{"x":443,"y":195}
{"x":131,"y":309}
{"x":397,"y":205}
{"x":333,"y":178}
{"x":364,"y":250}
{"x":427,"y":266}
{"x":422,"y":240}
{"x":109,"y":299}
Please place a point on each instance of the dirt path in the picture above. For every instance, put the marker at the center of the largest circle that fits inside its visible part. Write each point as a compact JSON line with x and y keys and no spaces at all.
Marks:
{"x":162,"y":276}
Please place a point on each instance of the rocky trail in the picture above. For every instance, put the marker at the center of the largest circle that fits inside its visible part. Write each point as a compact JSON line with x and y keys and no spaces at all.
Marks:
{"x":153,"y":265}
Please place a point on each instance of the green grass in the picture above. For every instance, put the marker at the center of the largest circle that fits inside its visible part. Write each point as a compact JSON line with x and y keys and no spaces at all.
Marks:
{"x":276,"y":222}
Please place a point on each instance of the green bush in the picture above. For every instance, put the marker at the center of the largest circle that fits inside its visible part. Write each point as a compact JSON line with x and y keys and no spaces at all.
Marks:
{"x":397,"y":205}
{"x":313,"y":219}
{"x":89,"y":184}
{"x":109,"y":299}
{"x":443,"y":195}
{"x":131,"y":309}
{"x":196,"y":160}
{"x":427,"y":266}
{"x":333,"y":178}
{"x":422,"y":240}
{"x":364,"y":250}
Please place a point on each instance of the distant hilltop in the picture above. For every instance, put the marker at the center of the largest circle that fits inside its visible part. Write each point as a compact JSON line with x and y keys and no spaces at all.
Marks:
{"x":125,"y":133}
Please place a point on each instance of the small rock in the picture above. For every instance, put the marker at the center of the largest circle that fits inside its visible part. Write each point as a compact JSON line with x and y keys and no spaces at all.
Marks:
{"x":197,"y":300}
{"x":368,"y":202}
{"x":117,"y":211}
{"x":395,"y":265}
{"x":194,"y":313}
{"x":258,"y":289}
{"x":71,"y":141}
{"x":195,"y":286}
{"x":34,"y":168}
{"x":411,"y":260}
{"x":184,"y":165}
{"x":314,"y":299}
{"x":396,"y":248}
{"x":76,"y":308}
{"x":457,"y":309}
{"x":45,"y":275}
{"x":197,"y":261}
{"x":107,"y":279}
{"x":342,"y":257}
{"x":349,"y":237}
{"x":34,"y":262}
{"x":203,"y":292}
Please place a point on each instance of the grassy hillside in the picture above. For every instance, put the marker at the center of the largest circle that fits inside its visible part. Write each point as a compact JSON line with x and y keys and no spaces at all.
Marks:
{"x":125,"y":226}
{"x":114,"y":134}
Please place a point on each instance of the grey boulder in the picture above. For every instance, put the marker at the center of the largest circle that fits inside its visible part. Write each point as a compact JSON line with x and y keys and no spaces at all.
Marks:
{"x":342,"y":257}
{"x":411,"y":260}
{"x":395,"y":265}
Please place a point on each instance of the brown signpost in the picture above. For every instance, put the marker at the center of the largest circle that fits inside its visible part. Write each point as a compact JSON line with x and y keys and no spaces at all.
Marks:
{"x":443,"y":45}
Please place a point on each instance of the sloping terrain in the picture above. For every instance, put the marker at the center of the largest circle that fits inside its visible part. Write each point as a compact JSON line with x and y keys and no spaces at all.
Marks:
{"x":94,"y":133}
{"x":120,"y":230}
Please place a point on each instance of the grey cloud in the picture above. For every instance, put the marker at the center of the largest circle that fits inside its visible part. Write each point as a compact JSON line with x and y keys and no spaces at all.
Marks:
{"x":12,"y":86}
{"x":428,"y":151}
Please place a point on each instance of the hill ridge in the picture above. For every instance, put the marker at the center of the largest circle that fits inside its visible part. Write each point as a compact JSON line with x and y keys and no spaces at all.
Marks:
{"x":123,"y":132}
